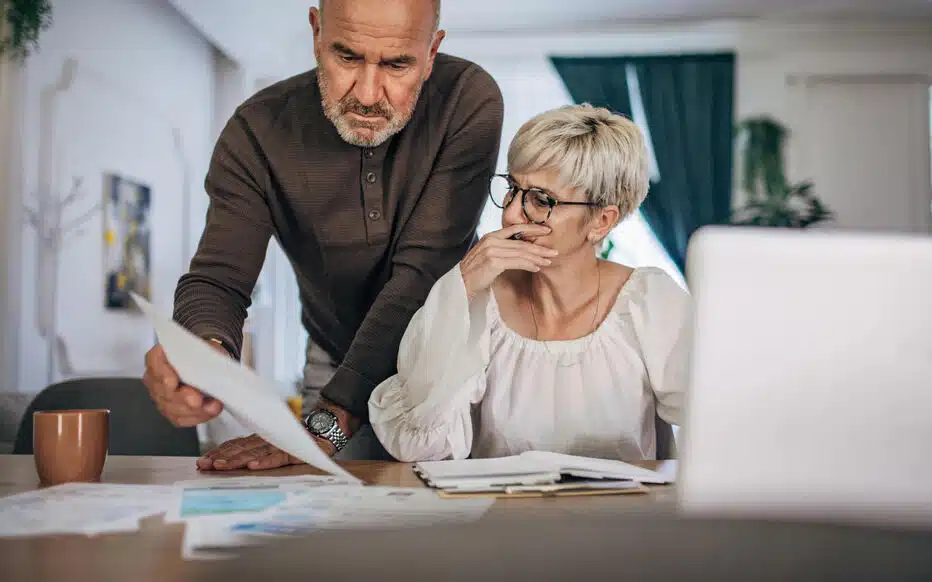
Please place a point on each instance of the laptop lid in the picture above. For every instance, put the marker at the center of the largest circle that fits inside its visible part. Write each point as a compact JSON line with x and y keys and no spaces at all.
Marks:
{"x":811,"y":386}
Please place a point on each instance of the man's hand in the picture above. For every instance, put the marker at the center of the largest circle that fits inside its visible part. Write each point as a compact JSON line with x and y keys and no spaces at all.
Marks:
{"x":251,"y":452}
{"x":254,"y":453}
{"x":181,"y":404}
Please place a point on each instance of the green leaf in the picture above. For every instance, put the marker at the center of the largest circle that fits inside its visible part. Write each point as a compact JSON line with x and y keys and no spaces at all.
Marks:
{"x":771,"y":199}
{"x":26,"y":20}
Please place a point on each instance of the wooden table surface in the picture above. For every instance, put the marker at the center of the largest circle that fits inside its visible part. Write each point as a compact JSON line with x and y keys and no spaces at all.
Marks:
{"x":154,"y":552}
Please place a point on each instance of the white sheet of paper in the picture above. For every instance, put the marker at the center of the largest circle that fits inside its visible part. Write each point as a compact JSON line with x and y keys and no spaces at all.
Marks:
{"x":83,"y":508}
{"x":243,"y":392}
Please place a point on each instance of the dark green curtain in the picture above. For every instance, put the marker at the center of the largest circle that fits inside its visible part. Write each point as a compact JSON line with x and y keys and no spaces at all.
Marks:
{"x":688,"y":103}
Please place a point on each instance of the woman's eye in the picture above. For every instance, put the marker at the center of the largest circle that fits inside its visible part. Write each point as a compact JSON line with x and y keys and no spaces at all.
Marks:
{"x":540,"y":199}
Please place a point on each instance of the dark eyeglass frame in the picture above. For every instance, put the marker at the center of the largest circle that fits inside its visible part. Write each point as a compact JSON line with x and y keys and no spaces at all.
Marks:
{"x":515,"y":190}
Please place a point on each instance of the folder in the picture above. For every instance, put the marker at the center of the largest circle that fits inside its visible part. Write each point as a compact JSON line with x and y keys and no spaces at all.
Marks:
{"x":536,"y":474}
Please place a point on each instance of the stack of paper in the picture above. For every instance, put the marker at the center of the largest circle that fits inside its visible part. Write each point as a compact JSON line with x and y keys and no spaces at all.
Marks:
{"x":321,"y":508}
{"x":82,"y":508}
{"x":536,"y":473}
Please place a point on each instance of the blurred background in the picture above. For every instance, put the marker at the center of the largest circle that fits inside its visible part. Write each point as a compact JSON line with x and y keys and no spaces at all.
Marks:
{"x":772,"y":112}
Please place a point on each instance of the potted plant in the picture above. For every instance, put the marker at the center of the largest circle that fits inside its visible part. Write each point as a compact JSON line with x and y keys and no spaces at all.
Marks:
{"x":771,"y":199}
{"x":23,"y":21}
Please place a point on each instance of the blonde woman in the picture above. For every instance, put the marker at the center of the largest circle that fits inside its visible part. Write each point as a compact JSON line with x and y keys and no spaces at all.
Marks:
{"x":532,"y":342}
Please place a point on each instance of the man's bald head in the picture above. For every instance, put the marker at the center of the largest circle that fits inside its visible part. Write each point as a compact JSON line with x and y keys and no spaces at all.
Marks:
{"x":434,"y":4}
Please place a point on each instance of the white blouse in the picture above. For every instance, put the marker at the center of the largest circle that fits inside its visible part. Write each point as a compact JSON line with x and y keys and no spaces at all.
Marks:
{"x":469,"y":385}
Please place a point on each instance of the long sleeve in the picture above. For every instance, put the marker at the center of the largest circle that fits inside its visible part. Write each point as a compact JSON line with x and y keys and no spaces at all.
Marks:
{"x":663,"y":323}
{"x":424,"y":412}
{"x":435,"y":237}
{"x":212,"y":298}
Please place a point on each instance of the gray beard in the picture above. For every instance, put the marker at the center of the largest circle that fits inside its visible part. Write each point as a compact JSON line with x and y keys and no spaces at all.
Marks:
{"x":333,"y":110}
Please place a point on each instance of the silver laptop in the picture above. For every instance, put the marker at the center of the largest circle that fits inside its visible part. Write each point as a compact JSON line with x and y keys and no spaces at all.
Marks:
{"x":811,"y":387}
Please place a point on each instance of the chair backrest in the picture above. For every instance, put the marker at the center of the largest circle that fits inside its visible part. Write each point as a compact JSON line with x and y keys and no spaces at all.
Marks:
{"x":666,"y":441}
{"x":136,"y":425}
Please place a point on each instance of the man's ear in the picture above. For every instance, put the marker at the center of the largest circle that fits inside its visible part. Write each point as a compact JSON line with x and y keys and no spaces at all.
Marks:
{"x":432,"y":53}
{"x":313,"y":17}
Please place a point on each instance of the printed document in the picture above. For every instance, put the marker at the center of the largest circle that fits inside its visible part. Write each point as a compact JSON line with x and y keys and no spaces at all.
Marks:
{"x":323,"y":508}
{"x":240,"y":495}
{"x":82,"y":508}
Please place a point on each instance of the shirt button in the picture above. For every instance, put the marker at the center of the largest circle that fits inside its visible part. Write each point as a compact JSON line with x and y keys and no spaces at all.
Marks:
{"x":369,"y":153}
{"x":374,"y":215}
{"x":370,"y":177}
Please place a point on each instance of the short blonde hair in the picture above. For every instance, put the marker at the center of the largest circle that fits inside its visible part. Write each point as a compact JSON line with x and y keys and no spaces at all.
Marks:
{"x":593,"y":150}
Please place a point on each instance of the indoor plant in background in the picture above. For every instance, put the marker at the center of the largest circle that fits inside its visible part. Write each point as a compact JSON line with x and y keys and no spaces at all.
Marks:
{"x":23,"y":21}
{"x":771,"y":200}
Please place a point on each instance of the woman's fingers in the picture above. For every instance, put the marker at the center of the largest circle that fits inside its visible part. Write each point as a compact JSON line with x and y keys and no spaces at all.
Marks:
{"x":525,"y":246}
{"x":493,"y":245}
{"x":518,"y":263}
{"x":515,"y":248}
{"x":524,"y":229}
{"x":519,"y":254}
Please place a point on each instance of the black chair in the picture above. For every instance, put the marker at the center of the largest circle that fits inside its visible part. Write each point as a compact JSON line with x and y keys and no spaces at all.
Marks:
{"x":136,"y":425}
{"x":666,"y":441}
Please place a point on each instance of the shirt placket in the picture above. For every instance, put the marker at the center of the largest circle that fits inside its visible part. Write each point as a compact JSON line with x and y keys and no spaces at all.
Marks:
{"x":373,"y":189}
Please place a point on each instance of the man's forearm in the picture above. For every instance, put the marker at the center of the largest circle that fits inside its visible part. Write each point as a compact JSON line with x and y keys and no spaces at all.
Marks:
{"x":211,"y":300}
{"x":206,"y":309}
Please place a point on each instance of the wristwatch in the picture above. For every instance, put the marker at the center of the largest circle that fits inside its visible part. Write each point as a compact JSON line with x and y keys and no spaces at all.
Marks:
{"x":323,"y":423}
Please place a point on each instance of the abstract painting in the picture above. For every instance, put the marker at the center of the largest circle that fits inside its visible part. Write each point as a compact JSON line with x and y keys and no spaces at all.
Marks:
{"x":127,"y":259}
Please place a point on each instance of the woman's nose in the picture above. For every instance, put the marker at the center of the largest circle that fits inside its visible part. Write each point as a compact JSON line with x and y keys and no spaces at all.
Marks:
{"x":514,"y":213}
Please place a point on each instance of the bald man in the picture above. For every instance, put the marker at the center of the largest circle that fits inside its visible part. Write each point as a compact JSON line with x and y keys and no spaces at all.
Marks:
{"x":371,"y":171}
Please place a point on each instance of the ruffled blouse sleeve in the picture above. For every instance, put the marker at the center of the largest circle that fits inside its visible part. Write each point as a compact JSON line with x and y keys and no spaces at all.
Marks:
{"x":661,"y":312}
{"x":424,"y":412}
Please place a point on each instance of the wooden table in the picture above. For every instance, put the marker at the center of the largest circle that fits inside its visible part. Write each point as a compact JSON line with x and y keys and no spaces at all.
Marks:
{"x":154,"y":553}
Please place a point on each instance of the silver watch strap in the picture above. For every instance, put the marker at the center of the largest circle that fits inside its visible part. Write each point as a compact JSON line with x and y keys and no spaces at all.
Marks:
{"x":336,"y":436}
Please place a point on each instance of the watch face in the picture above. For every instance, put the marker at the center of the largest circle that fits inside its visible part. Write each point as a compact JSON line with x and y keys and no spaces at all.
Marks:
{"x":320,"y":422}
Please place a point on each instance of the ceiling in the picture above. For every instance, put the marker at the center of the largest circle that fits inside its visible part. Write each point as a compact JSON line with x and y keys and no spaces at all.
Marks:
{"x":249,"y":32}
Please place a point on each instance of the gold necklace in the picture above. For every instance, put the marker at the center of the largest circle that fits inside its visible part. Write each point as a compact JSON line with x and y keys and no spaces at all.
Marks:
{"x":595,"y":318}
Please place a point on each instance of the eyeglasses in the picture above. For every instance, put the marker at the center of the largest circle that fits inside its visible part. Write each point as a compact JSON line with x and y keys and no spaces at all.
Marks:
{"x":536,"y":203}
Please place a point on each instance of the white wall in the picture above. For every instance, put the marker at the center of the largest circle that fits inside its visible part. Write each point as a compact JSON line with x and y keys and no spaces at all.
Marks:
{"x":10,"y":219}
{"x":140,"y":103}
{"x":790,"y":71}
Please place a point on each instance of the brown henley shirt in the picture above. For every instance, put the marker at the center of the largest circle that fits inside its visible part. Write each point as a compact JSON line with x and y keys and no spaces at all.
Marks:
{"x":367,"y":230}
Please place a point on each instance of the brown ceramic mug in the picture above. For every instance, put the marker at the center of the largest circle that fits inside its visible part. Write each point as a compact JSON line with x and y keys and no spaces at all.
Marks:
{"x":70,"y":445}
